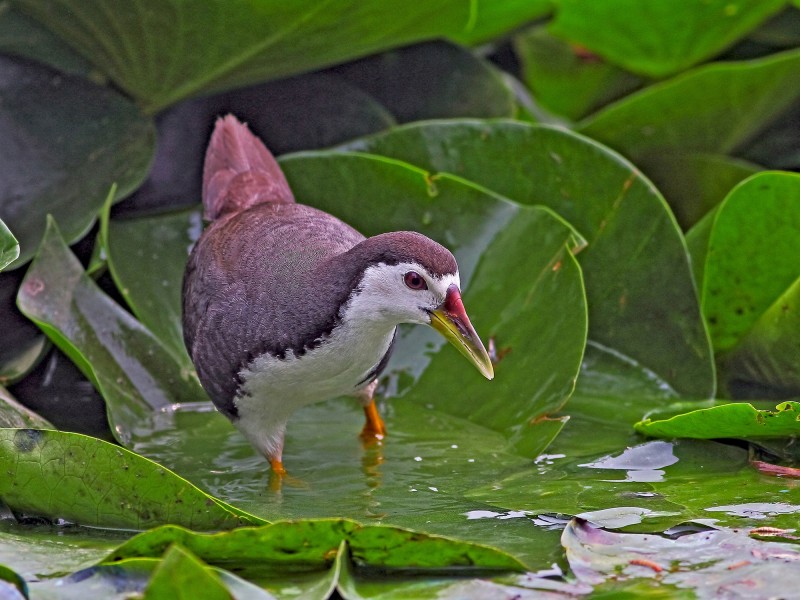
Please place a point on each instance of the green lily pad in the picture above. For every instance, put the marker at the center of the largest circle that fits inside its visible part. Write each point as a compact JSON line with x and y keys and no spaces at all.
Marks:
{"x":182,"y":575}
{"x":14,"y":414}
{"x":565,"y":78}
{"x":132,"y":370}
{"x":744,"y":255}
{"x":448,"y":82}
{"x":67,"y":141}
{"x":641,"y":295}
{"x":739,"y":420}
{"x":677,"y":36}
{"x":713,"y":109}
{"x":9,"y":247}
{"x":314,"y":543}
{"x":101,"y":485}
{"x":144,"y":49}
{"x":704,"y":562}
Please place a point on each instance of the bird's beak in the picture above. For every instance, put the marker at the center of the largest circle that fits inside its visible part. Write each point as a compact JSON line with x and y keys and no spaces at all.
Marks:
{"x":451,"y":320}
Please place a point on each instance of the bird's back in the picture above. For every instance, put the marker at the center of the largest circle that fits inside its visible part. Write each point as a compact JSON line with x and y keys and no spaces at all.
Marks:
{"x":247,"y":280}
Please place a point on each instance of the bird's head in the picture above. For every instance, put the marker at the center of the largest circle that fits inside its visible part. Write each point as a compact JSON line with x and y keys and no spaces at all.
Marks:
{"x":412,"y":279}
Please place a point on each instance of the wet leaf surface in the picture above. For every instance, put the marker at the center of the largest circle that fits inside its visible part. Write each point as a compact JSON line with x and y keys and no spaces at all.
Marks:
{"x":719,"y":561}
{"x":740,"y":421}
{"x":181,"y":575}
{"x":77,"y":478}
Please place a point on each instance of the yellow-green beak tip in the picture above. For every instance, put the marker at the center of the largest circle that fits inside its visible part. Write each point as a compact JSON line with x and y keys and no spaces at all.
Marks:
{"x":451,"y":320}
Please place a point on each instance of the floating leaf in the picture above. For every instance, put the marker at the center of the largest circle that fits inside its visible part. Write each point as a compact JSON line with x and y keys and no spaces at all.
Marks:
{"x":67,"y":141}
{"x":314,"y":544}
{"x":642,"y":299}
{"x":133,"y":372}
{"x":706,"y":562}
{"x":273,"y":39}
{"x":101,"y":485}
{"x":676,"y":37}
{"x":750,"y":282}
{"x":739,"y":420}
{"x":181,"y":575}
{"x":12,"y":586}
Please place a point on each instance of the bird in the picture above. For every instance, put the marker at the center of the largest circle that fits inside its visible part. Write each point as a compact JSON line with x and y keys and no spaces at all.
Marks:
{"x":285,"y":305}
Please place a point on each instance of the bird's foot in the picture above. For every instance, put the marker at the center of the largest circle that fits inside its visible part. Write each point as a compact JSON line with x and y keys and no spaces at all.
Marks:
{"x":279,"y":477}
{"x":374,"y":429}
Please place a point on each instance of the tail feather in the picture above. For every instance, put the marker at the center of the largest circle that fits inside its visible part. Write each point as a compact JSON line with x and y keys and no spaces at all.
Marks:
{"x":239,"y":171}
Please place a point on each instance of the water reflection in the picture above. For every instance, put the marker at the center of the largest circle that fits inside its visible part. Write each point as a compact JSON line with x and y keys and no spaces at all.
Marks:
{"x":643,"y":463}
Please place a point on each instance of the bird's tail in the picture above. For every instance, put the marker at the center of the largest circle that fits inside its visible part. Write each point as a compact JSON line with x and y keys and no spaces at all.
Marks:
{"x":239,"y":171}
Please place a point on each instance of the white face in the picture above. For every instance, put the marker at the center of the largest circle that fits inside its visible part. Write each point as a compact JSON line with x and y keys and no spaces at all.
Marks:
{"x":402,"y":293}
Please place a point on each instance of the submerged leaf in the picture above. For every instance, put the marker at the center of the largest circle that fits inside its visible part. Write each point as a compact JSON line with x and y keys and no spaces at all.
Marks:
{"x":739,"y":421}
{"x":706,"y":562}
{"x":69,"y":476}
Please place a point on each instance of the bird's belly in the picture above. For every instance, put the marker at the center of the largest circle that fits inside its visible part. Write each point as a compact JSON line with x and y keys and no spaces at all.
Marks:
{"x":339,"y":366}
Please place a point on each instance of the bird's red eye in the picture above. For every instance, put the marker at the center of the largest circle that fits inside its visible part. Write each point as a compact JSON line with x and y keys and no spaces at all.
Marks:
{"x":415,"y":281}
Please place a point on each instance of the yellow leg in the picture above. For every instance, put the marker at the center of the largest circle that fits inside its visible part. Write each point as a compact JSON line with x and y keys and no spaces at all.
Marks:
{"x":277,"y":467}
{"x":374,"y":427}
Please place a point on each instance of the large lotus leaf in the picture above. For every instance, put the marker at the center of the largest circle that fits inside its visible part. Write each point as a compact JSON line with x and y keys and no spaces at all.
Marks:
{"x":642,"y":299}
{"x":677,"y":35}
{"x":22,"y":36}
{"x":739,"y":420}
{"x":69,"y":476}
{"x":745,"y":254}
{"x":14,"y":414}
{"x":447,"y":82}
{"x":706,"y":562}
{"x":565,"y":78}
{"x":161,"y":53}
{"x":695,"y":183}
{"x":714,"y":109}
{"x":129,"y":366}
{"x":66,"y":140}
